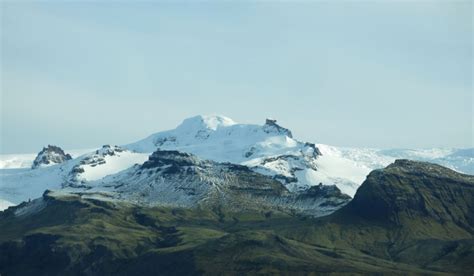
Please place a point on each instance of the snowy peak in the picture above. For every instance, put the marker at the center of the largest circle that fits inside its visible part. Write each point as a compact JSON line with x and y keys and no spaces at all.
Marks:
{"x":269,"y":148}
{"x":203,"y":122}
{"x":217,"y":133}
{"x":50,"y":155}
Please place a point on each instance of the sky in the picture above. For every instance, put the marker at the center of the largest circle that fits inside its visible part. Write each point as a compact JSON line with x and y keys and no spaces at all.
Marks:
{"x":384,"y":74}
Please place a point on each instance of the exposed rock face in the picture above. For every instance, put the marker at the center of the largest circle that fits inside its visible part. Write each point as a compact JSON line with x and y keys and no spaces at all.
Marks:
{"x":172,"y":159}
{"x":50,"y":155}
{"x":269,"y":149}
{"x":325,"y":191}
{"x":316,"y":151}
{"x":98,"y":158}
{"x":173,"y":178}
{"x":409,"y":218}
{"x":272,"y":126}
{"x":319,"y":200}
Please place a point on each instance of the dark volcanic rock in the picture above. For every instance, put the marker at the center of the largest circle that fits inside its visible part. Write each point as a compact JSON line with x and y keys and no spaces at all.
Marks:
{"x":160,"y":158}
{"x":272,"y":126}
{"x":326,"y":191}
{"x":176,"y":178}
{"x":50,"y":155}
{"x":316,"y":150}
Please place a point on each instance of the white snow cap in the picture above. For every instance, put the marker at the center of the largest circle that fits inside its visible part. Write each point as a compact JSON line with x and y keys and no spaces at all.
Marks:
{"x":4,"y":204}
{"x":212,"y":122}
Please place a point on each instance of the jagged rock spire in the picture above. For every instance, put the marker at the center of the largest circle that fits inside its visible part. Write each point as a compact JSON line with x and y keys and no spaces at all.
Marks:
{"x":50,"y":155}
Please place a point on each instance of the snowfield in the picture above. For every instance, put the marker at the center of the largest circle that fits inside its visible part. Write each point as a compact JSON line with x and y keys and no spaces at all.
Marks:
{"x":16,"y":161}
{"x":18,"y":185}
{"x":21,"y":161}
{"x":268,"y":149}
{"x":112,"y":165}
{"x":5,"y":204}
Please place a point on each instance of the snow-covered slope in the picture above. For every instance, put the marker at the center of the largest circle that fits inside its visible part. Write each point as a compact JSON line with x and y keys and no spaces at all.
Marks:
{"x":16,"y":161}
{"x":219,"y":138}
{"x":5,"y":204}
{"x":347,"y":167}
{"x":268,"y":149}
{"x":272,"y":150}
{"x":103,"y":162}
{"x":17,"y":185}
{"x":21,"y":161}
{"x":461,"y":160}
{"x":173,"y":178}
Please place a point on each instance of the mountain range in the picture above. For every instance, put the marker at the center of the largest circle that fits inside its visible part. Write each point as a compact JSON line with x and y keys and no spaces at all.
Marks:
{"x":268,"y":149}
{"x":409,"y":218}
{"x":217,"y":197}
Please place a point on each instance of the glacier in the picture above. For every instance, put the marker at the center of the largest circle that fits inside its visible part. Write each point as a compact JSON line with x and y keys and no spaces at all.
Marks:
{"x":268,"y":149}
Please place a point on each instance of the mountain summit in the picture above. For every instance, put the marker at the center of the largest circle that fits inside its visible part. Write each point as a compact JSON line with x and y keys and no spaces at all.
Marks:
{"x":200,"y":122}
{"x":269,"y":149}
{"x":50,"y":155}
{"x":410,"y":192}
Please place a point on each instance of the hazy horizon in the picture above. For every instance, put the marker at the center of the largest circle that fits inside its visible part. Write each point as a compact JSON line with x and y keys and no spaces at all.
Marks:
{"x":380,"y":74}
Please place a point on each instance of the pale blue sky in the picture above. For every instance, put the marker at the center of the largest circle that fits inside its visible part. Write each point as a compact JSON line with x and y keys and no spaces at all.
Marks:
{"x":375,"y":74}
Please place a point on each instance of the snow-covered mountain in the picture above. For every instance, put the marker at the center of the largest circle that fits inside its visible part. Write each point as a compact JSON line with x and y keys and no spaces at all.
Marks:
{"x":5,"y":204}
{"x":25,"y":160}
{"x":22,"y":184}
{"x":363,"y":160}
{"x":272,"y":150}
{"x":173,"y":178}
{"x":268,"y":149}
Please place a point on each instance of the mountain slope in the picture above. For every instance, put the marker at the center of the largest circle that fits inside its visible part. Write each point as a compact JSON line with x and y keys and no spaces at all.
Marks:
{"x":176,"y":179}
{"x":268,"y":149}
{"x":17,"y":185}
{"x":408,"y":190}
{"x":424,"y":227}
{"x":406,"y":209}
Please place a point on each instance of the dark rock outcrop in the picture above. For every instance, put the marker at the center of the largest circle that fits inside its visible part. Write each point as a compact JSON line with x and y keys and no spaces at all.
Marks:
{"x":411,"y":218}
{"x":325,"y":191}
{"x":50,"y":155}
{"x":176,"y":178}
{"x":172,"y":158}
{"x":272,"y":126}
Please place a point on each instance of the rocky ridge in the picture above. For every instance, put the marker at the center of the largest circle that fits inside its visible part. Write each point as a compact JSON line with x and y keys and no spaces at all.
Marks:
{"x":269,"y":149}
{"x":50,"y":155}
{"x":407,"y":208}
{"x":172,"y":178}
